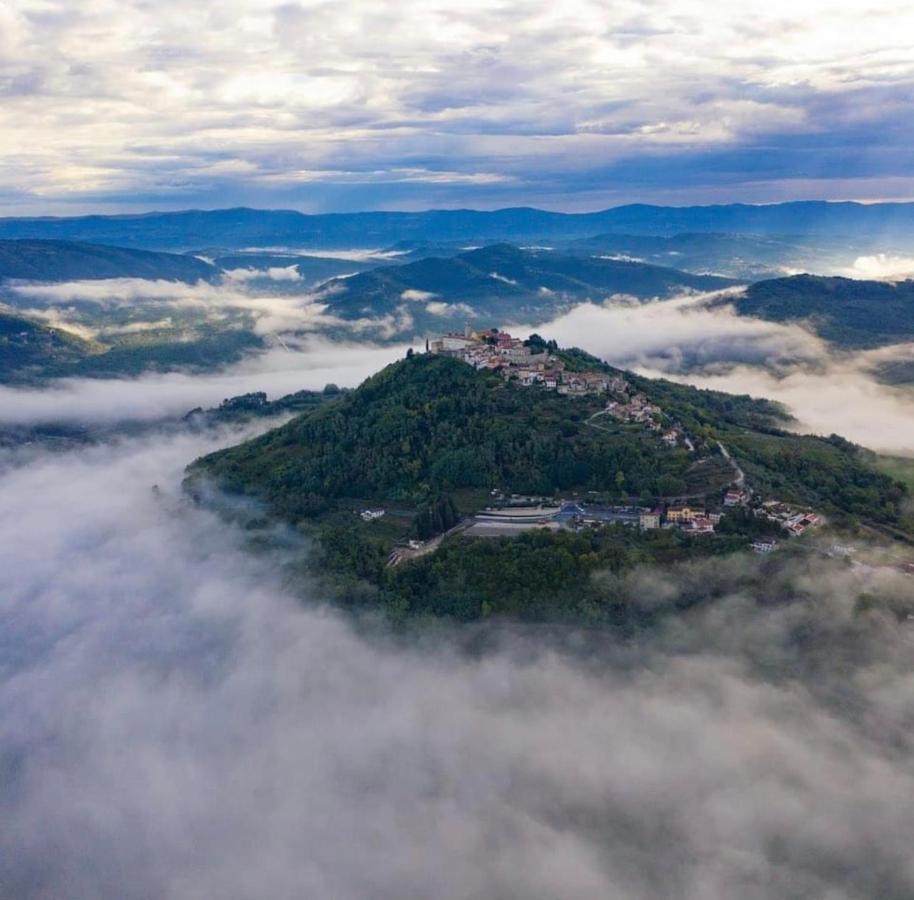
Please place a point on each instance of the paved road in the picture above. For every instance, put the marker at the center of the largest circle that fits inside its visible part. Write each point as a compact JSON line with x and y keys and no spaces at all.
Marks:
{"x":590,"y":421}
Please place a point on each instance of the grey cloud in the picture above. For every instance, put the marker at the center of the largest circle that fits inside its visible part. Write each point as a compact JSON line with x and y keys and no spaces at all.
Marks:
{"x":547,"y":99}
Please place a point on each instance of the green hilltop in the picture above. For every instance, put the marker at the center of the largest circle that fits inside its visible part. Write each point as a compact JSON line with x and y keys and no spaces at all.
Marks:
{"x":430,"y":440}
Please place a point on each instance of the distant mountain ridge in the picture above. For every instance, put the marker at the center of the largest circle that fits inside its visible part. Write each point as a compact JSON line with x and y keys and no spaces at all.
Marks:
{"x":504,"y":283}
{"x":243,"y":227}
{"x":53,"y":260}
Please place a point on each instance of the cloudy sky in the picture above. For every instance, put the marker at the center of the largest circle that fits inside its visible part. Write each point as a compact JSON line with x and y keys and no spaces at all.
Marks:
{"x":132,"y":104}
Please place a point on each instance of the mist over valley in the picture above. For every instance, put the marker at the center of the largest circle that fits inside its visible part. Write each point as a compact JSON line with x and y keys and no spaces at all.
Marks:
{"x":456,"y":452}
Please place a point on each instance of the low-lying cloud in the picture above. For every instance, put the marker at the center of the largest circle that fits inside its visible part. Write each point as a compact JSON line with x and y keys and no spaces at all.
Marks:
{"x":882,"y":266}
{"x":419,"y":296}
{"x":176,"y":724}
{"x":309,"y":363}
{"x":353,"y":255}
{"x":116,"y":291}
{"x":712,"y":347}
{"x":438,"y":308}
{"x":681,"y":333}
{"x":843,"y":398}
{"x":273,"y":273}
{"x":243,"y":294}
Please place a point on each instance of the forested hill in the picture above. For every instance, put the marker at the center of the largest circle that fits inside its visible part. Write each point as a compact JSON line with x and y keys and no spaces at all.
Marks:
{"x":505,"y":283}
{"x":39,"y":260}
{"x":429,"y":425}
{"x":847,"y":312}
{"x":429,"y":437}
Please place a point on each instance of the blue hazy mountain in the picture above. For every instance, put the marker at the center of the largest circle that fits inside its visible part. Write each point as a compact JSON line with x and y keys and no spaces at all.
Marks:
{"x":243,"y":227}
{"x":504,"y":283}
{"x":749,"y":257}
{"x":53,"y":260}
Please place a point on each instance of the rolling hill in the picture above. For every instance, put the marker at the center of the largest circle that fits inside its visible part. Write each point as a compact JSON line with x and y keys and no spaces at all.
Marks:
{"x":502,"y":283}
{"x":429,"y":437}
{"x":54,"y":260}
{"x":847,"y":312}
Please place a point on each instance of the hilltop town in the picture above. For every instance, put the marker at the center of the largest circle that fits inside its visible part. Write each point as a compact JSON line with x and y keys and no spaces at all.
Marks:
{"x":530,"y":362}
{"x":535,"y":362}
{"x":404,"y":481}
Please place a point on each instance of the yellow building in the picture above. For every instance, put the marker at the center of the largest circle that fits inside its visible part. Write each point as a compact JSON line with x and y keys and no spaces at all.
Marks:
{"x":683,"y":513}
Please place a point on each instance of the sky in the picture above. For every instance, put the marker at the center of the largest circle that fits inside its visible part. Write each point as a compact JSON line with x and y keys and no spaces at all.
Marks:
{"x":126,"y":105}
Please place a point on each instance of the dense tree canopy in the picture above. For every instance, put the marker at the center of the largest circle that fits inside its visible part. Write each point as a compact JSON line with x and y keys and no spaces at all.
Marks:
{"x":428,"y":425}
{"x":430,"y":429}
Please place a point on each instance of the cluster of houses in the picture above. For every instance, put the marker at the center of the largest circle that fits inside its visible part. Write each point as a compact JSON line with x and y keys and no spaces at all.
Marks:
{"x":696,"y":520}
{"x":500,"y":352}
{"x":794,"y":521}
{"x":692,"y":519}
{"x":636,"y":409}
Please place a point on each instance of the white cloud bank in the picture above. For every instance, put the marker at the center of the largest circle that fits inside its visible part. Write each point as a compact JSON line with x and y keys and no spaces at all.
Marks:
{"x":680,"y":332}
{"x":841,"y":399}
{"x":272,"y":313}
{"x":309,"y":364}
{"x":714,"y":348}
{"x":882,"y":266}
{"x":176,"y":725}
{"x":274,"y":273}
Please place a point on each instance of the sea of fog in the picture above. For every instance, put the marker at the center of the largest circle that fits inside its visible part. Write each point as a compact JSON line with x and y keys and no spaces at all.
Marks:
{"x":182,"y":719}
{"x":178,"y":723}
{"x":685,"y":339}
{"x":309,"y":365}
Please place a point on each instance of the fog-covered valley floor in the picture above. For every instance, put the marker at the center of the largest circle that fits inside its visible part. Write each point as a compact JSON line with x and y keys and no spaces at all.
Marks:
{"x":180,"y":720}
